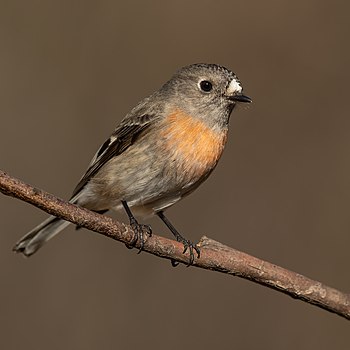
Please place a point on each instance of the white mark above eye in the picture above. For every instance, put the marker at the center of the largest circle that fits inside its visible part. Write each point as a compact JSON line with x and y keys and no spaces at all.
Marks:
{"x":234,"y":86}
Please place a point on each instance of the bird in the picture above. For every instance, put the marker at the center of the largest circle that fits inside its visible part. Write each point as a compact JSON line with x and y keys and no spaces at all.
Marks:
{"x":162,"y":150}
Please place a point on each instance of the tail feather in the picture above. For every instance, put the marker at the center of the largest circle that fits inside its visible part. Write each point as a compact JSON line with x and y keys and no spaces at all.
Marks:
{"x":39,"y":235}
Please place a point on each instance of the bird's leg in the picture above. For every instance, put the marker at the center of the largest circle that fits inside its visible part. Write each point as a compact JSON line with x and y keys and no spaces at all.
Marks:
{"x":138,"y":229}
{"x":187,"y":244}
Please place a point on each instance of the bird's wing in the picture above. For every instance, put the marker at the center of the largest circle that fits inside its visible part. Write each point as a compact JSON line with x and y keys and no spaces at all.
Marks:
{"x":122,"y":138}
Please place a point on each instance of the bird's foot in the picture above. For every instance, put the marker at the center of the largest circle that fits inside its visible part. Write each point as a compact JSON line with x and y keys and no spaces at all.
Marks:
{"x":139,"y":234}
{"x":191,"y":248}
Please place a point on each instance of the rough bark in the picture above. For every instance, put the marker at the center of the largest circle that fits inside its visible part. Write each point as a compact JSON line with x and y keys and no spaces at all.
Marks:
{"x":214,"y":255}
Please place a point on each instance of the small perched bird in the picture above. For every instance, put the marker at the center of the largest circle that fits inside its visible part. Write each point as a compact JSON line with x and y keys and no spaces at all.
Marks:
{"x":161,"y":152}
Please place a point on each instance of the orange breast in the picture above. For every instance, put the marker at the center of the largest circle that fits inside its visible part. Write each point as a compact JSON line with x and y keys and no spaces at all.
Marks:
{"x":190,"y":141}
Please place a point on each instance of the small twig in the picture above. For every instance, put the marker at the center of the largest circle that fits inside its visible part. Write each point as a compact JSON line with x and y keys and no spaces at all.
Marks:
{"x":214,"y":255}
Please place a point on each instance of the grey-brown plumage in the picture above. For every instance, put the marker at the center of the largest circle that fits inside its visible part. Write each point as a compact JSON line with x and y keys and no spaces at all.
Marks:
{"x":161,"y":151}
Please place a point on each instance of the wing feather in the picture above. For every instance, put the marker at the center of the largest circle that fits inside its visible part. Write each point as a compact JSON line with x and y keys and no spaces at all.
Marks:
{"x":123,"y":137}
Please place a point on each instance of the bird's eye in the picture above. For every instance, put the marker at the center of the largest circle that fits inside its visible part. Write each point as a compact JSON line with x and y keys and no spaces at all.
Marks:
{"x":206,"y":85}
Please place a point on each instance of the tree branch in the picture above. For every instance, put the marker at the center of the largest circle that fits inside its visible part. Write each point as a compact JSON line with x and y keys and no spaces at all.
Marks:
{"x":214,"y":255}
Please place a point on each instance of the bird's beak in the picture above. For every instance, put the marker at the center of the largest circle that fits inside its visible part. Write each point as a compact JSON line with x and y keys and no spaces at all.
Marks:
{"x":240,"y":98}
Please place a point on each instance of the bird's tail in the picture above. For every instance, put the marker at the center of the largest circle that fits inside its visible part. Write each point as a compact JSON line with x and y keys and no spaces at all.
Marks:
{"x":39,"y":235}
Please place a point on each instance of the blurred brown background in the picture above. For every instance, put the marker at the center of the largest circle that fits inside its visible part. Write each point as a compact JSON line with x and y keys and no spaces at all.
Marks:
{"x":69,"y":73}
